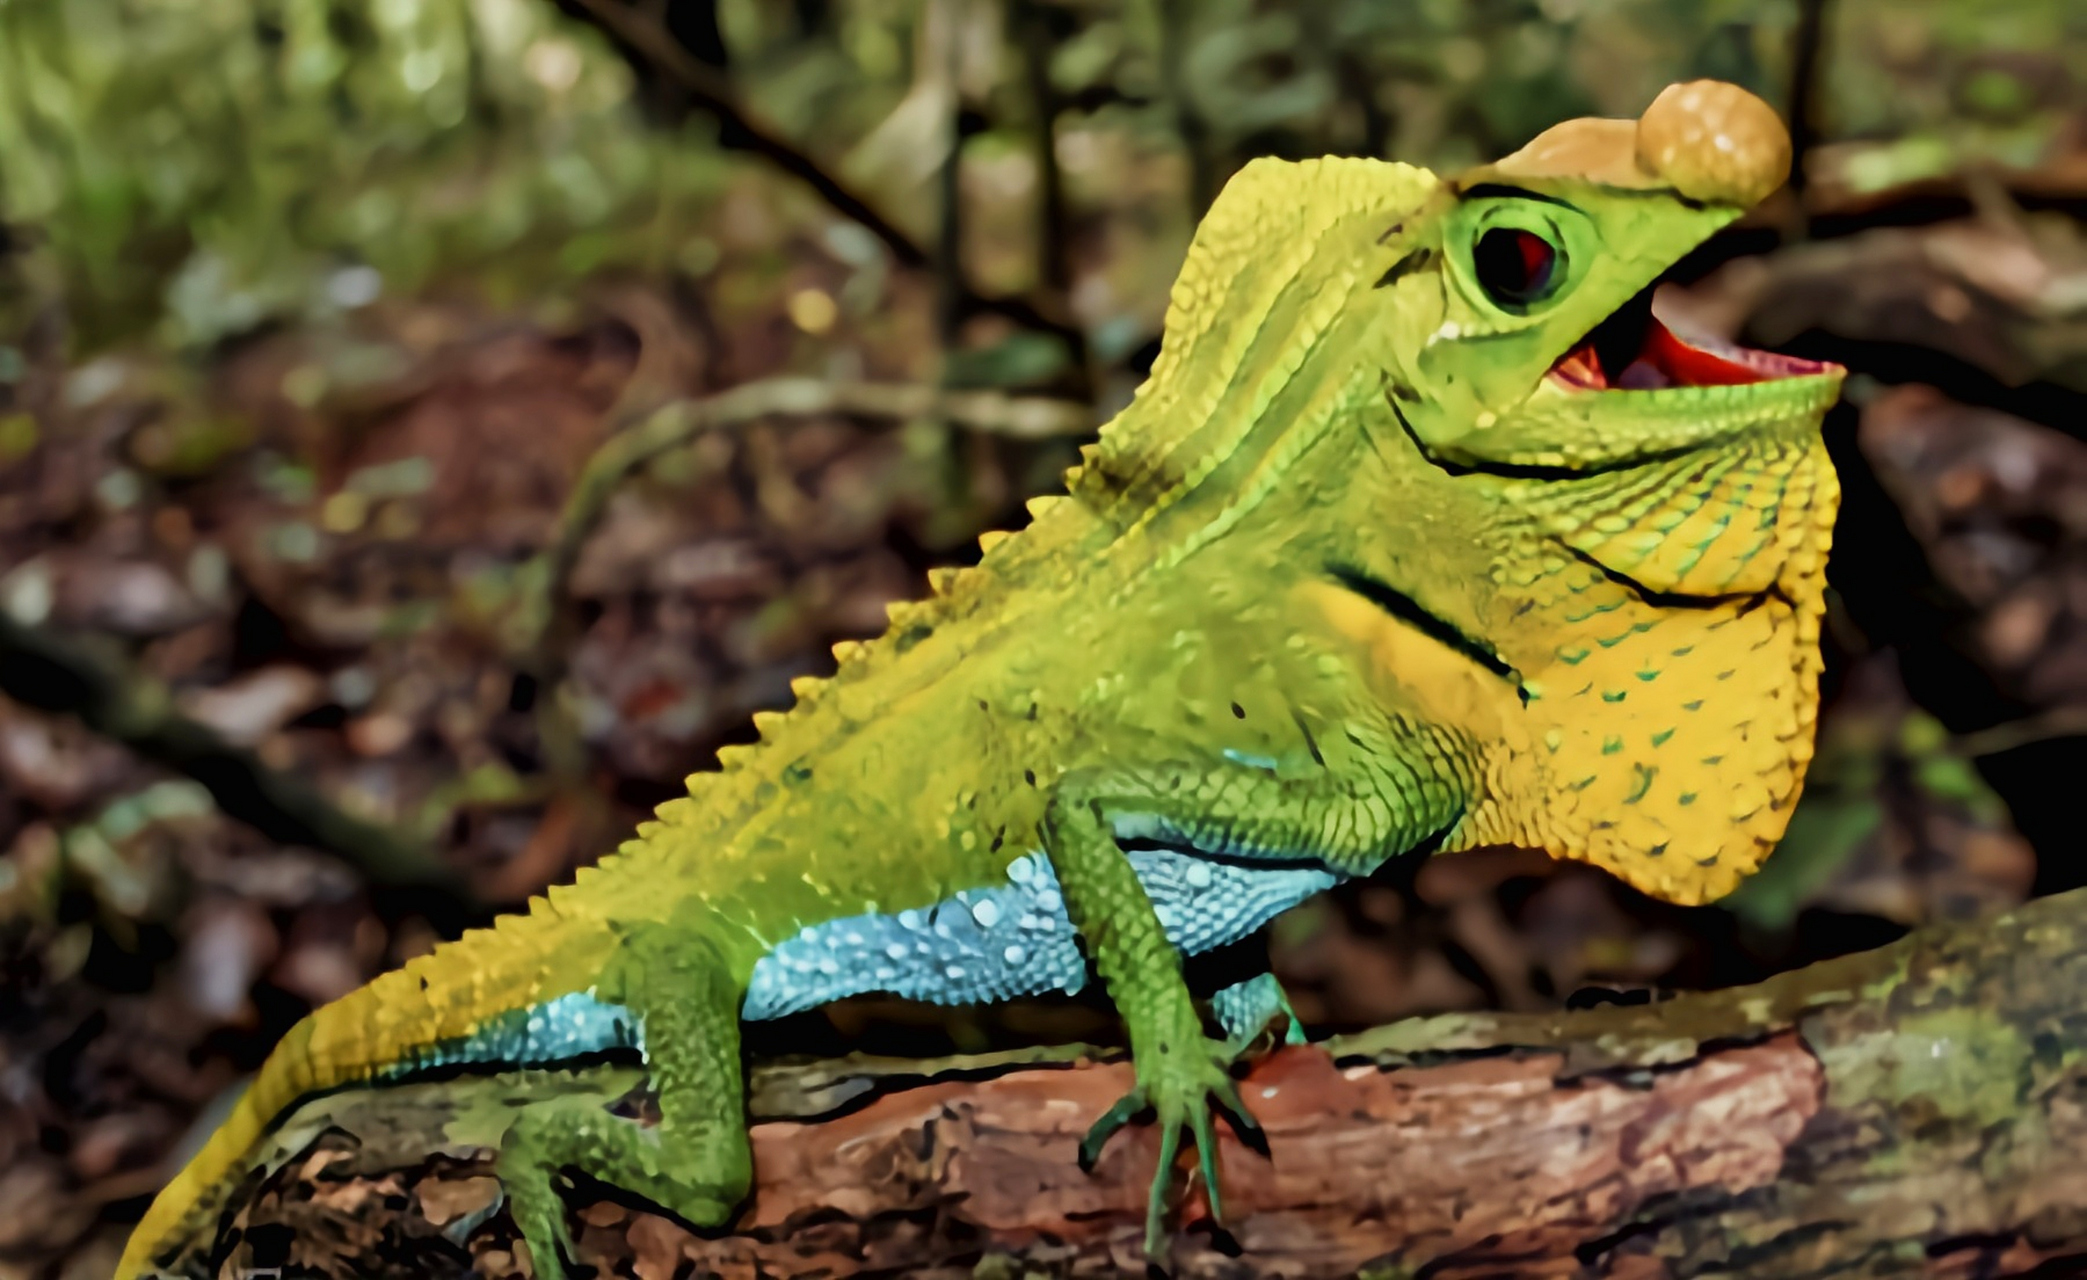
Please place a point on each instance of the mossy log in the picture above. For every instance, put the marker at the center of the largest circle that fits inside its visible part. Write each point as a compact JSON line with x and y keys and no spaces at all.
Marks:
{"x":1915,"y":1110}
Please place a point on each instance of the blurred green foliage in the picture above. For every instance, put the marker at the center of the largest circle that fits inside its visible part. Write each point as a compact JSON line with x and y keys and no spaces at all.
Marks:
{"x":189,"y":170}
{"x":1935,"y":86}
{"x":198,"y":167}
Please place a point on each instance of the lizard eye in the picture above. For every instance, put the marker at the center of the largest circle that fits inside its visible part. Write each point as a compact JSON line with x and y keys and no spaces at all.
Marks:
{"x":1515,"y":267}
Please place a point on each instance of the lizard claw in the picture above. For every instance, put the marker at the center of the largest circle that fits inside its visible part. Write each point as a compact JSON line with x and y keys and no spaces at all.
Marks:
{"x":1183,"y":1097}
{"x":1126,"y":1109}
{"x":1244,"y":1127}
{"x":539,"y":1216}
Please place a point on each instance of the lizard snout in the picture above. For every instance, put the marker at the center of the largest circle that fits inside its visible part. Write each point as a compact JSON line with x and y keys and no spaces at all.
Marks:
{"x":1706,"y":140}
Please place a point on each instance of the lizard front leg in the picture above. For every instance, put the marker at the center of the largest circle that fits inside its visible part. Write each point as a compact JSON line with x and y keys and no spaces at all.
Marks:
{"x":695,"y":1163}
{"x":1230,"y":809}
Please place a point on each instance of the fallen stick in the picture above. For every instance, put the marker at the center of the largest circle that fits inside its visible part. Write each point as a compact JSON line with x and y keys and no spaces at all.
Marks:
{"x":1916,"y":1110}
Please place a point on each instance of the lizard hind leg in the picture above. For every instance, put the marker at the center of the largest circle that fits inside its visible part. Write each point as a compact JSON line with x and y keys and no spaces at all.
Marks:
{"x":1251,"y":1006}
{"x":695,"y":1163}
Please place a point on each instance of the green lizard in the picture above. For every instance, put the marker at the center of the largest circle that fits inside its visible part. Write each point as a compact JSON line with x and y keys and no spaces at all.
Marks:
{"x":1422,"y":535}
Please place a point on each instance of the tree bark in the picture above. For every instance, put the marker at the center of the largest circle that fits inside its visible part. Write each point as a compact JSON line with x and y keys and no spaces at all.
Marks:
{"x":1916,"y":1110}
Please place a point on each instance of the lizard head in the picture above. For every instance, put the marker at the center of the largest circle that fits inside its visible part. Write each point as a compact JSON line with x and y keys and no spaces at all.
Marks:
{"x":1590,"y":548}
{"x":1647,"y":516}
{"x":1540,"y":350}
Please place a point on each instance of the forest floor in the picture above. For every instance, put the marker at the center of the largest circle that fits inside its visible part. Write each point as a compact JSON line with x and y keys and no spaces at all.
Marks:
{"x":319,"y":545}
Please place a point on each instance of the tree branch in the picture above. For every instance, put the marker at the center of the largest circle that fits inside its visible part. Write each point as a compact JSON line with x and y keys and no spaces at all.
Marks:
{"x":88,"y":677}
{"x":669,"y":426}
{"x":709,"y":90}
{"x":643,"y":33}
{"x":1807,"y":42}
{"x":1914,"y":1110}
{"x":1189,"y":124}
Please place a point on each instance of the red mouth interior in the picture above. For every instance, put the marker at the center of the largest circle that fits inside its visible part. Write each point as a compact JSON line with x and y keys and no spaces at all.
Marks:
{"x":1658,"y":359}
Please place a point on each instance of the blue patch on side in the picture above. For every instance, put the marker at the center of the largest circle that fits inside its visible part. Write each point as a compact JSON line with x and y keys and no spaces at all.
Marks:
{"x":977,"y":946}
{"x":983,"y":945}
{"x":571,"y":1026}
{"x":1204,"y":904}
{"x":1245,"y":1009}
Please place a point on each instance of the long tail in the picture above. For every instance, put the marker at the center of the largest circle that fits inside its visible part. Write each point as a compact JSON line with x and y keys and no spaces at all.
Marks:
{"x":432,"y":1012}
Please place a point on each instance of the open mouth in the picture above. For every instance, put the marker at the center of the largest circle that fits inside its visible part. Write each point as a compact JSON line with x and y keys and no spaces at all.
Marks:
{"x":1633,"y":351}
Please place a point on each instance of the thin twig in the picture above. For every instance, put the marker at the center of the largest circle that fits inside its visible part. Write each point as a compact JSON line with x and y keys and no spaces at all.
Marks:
{"x":1039,"y":30}
{"x":2059,"y":722}
{"x":709,"y":90}
{"x":951,"y":291}
{"x":88,"y":677}
{"x":1807,"y":56}
{"x":649,"y":434}
{"x":1189,"y":125}
{"x":1035,"y":41}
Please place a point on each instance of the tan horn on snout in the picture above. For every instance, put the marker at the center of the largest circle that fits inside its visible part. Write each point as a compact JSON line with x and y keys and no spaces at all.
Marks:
{"x":1705,"y":140}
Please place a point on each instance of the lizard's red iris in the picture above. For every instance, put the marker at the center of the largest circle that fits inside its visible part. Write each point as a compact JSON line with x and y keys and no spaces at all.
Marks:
{"x":1514,"y":267}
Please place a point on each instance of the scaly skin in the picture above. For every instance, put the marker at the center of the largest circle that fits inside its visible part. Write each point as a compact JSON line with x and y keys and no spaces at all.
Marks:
{"x":1351,"y":577}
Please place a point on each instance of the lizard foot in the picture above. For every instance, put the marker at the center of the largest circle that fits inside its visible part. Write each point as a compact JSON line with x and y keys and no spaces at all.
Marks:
{"x":680,"y":1174}
{"x":1182,"y":1088}
{"x":539,"y":1215}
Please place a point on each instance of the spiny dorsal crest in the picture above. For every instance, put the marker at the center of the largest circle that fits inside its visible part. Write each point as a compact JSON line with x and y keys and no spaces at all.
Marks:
{"x":737,"y":756}
{"x":1168,"y":439}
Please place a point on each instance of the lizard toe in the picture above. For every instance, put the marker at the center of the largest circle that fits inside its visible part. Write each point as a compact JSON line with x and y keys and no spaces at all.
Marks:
{"x":1247,"y":1129}
{"x":1125,"y":1110}
{"x":539,"y":1216}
